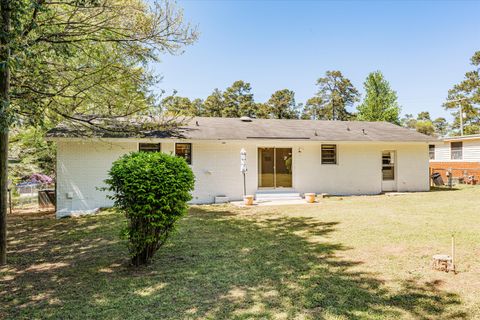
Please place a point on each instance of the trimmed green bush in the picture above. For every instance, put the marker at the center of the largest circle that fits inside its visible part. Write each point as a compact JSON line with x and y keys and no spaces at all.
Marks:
{"x":152,"y":190}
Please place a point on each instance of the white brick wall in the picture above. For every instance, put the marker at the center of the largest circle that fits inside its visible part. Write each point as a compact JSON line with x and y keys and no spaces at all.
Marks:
{"x":82,"y":167}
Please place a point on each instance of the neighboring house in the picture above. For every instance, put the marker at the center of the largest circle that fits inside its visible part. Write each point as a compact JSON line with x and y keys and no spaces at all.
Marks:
{"x":460,"y":155}
{"x":284,"y":157}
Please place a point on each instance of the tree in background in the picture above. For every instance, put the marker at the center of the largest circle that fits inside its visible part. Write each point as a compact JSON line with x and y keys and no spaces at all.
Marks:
{"x":60,"y":59}
{"x":422,"y":123}
{"x":424,"y":116}
{"x":465,"y":96}
{"x":441,"y":126}
{"x":238,"y":100}
{"x":314,"y":109}
{"x":175,"y":105}
{"x":281,"y":105}
{"x":425,"y":127}
{"x":214,"y":104}
{"x":338,"y":93}
{"x":380,"y":103}
{"x":408,"y":121}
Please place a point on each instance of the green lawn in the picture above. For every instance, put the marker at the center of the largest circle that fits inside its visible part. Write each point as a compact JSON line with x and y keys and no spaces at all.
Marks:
{"x":343,"y":258}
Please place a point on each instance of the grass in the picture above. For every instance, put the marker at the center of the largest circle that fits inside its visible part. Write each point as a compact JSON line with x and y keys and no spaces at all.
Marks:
{"x":344,"y":258}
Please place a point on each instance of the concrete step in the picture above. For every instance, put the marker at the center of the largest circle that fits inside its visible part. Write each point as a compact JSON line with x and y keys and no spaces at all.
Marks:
{"x":277,"y":196}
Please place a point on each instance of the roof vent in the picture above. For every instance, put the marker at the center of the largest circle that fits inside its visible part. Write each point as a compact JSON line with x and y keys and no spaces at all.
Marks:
{"x":245,"y":119}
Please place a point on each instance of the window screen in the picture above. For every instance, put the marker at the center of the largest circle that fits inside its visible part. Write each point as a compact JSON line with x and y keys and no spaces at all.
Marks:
{"x":149,"y":147}
{"x":329,"y":154}
{"x":184,"y":150}
{"x":388,"y":165}
{"x":456,"y":151}
{"x":431,"y":151}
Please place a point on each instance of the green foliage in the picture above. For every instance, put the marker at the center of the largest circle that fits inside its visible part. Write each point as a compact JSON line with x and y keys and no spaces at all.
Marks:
{"x":175,"y":105}
{"x":424,"y":116}
{"x":88,"y":57}
{"x":281,"y":105}
{"x":380,"y":103}
{"x":465,"y":96}
{"x":337,"y":93}
{"x":238,"y":100}
{"x":314,"y":109}
{"x":35,"y":155}
{"x":152,"y":190}
{"x":214,"y":104}
{"x":425,"y":127}
{"x":441,"y":126}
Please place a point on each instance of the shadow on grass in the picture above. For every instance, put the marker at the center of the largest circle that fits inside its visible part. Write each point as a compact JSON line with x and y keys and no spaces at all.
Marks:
{"x":219,"y":265}
{"x":444,"y":188}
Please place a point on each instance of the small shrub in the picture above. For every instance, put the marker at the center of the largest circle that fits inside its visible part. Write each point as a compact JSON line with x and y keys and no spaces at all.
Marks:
{"x":152,"y":190}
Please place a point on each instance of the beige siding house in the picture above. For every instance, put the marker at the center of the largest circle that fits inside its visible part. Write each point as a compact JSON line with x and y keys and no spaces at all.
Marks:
{"x":284,"y":158}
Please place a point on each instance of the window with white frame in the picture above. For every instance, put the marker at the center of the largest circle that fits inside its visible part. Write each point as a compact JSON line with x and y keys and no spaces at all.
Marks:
{"x":456,"y":150}
{"x":388,"y":165}
{"x":431,"y":151}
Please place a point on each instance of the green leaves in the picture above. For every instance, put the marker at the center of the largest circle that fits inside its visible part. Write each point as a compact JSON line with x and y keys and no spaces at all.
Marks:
{"x":335,"y":94}
{"x":152,"y":190}
{"x":465,"y":96}
{"x":380,"y":103}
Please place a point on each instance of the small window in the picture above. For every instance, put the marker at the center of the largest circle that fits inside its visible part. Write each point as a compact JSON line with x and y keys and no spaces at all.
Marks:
{"x":388,"y":165}
{"x":149,"y":147}
{"x":431,"y":151}
{"x":184,"y":150}
{"x":329,"y":154}
{"x":456,"y":152}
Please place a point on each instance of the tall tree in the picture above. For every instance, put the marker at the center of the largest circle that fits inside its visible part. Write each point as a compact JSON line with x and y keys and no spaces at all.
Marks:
{"x":441,"y":126}
{"x":380,"y":103}
{"x":338,"y":93}
{"x":408,"y":121}
{"x":175,"y":105}
{"x":464,"y":99}
{"x":238,"y":100}
{"x":424,"y":116}
{"x":62,"y":58}
{"x":214,"y":104}
{"x":315,"y":109}
{"x":281,"y":105}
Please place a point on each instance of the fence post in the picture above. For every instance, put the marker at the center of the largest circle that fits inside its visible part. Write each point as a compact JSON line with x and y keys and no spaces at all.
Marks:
{"x":10,"y":200}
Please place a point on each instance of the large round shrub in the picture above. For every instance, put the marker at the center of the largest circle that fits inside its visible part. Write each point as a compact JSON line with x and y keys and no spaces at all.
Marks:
{"x":152,"y":190}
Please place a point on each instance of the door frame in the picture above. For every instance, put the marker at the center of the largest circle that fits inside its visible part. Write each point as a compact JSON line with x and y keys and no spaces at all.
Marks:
{"x":389,"y":185}
{"x":274,"y":174}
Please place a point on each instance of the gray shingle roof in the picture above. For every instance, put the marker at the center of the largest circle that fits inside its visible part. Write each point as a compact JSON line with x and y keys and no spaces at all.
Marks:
{"x":211,"y":128}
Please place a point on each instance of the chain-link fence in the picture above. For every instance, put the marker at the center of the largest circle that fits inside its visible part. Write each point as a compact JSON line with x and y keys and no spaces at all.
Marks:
{"x":32,"y":195}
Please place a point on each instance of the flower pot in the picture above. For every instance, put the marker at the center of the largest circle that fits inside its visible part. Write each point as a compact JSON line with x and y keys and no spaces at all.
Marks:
{"x":248,"y":200}
{"x":310,"y":197}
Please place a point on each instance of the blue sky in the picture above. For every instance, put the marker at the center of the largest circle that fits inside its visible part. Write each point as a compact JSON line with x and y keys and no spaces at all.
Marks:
{"x":423,"y":48}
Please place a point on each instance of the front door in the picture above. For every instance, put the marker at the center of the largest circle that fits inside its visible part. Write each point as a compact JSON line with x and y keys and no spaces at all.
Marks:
{"x":275,"y":167}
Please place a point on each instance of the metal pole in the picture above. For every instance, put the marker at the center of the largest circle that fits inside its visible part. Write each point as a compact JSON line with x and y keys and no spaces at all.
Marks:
{"x":453,"y":252}
{"x":244,"y":185}
{"x":461,"y":120}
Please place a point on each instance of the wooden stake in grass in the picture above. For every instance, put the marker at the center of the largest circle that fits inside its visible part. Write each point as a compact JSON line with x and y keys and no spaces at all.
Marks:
{"x":444,"y":262}
{"x":453,"y":254}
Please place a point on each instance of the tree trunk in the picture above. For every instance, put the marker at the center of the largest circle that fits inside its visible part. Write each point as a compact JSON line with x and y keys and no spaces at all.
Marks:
{"x":4,"y":124}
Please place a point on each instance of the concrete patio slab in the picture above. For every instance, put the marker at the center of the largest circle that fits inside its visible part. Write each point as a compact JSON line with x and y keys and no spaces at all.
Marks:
{"x":272,"y":203}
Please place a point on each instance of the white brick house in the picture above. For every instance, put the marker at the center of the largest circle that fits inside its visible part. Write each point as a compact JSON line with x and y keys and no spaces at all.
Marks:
{"x":300,"y":156}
